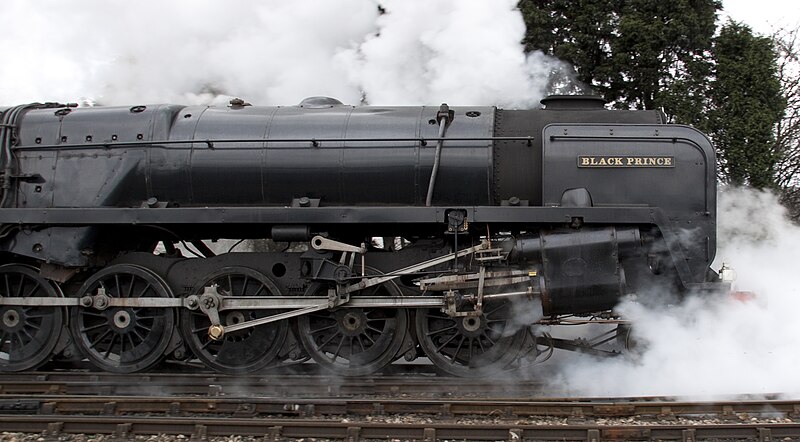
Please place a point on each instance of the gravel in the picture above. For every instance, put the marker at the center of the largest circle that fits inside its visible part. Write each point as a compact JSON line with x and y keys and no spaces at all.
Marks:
{"x":422,"y":419}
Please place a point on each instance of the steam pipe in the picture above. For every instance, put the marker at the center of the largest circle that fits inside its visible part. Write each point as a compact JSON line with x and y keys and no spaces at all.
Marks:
{"x":444,"y":115}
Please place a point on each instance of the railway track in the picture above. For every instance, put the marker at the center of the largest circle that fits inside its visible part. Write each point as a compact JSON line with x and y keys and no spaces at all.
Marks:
{"x":280,"y":385}
{"x":376,"y":408}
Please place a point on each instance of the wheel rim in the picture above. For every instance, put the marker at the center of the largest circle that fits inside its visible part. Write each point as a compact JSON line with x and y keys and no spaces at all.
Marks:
{"x":245,"y":350}
{"x":470,"y":346}
{"x":28,"y":335}
{"x":123,"y":340}
{"x":353,"y":341}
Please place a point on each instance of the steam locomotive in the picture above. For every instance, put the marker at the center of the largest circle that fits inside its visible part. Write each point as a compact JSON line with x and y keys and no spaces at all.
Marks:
{"x":449,"y":233}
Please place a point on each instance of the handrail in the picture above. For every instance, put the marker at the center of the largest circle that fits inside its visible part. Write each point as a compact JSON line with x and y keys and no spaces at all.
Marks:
{"x":314,"y":142}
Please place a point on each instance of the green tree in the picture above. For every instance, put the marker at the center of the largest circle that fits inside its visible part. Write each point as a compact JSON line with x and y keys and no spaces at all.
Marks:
{"x":636,"y":53}
{"x":787,"y":134}
{"x":747,"y":104}
{"x":646,"y":54}
{"x":579,"y":32}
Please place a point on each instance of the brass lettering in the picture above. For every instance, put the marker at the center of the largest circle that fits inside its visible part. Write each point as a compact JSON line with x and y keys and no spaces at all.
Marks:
{"x":625,"y":161}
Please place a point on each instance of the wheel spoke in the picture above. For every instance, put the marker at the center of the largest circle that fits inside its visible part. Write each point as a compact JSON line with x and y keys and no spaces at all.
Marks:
{"x":33,"y":289}
{"x":376,"y":330}
{"x":446,"y":342}
{"x":338,"y":349}
{"x":129,"y":293}
{"x":91,"y":313}
{"x":130,"y":339}
{"x":361,"y":344}
{"x":20,"y":286}
{"x":328,"y":341}
{"x":491,"y":325}
{"x":93,"y":327}
{"x":36,"y":315}
{"x":119,"y":293}
{"x":8,"y":285}
{"x":144,"y":290}
{"x":110,"y":346}
{"x":144,"y":327}
{"x":21,"y":335}
{"x":371,"y":341}
{"x":260,"y":290}
{"x":136,"y":333}
{"x":436,"y":332}
{"x":29,"y":324}
{"x":329,"y":327}
{"x":97,"y":341}
{"x":489,"y":312}
{"x":244,"y":286}
{"x":458,"y":349}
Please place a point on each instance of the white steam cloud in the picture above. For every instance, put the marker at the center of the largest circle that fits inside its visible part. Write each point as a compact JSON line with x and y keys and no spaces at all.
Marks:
{"x":716,"y":345}
{"x":270,"y":52}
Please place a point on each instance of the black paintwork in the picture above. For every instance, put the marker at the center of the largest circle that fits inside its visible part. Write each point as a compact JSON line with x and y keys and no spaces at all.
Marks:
{"x":105,"y":180}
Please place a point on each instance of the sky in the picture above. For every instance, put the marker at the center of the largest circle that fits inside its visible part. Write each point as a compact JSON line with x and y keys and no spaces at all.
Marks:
{"x":764,"y":16}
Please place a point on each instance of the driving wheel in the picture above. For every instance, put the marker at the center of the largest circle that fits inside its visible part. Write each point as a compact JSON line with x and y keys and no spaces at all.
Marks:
{"x":241,"y":351}
{"x":354,"y":341}
{"x":470,"y":345}
{"x":123,"y":339}
{"x":28,"y":334}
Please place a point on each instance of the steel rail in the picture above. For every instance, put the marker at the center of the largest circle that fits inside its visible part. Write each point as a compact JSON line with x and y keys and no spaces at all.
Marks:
{"x":333,"y":395}
{"x":271,"y":429}
{"x":271,"y":384}
{"x":447,"y":408}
